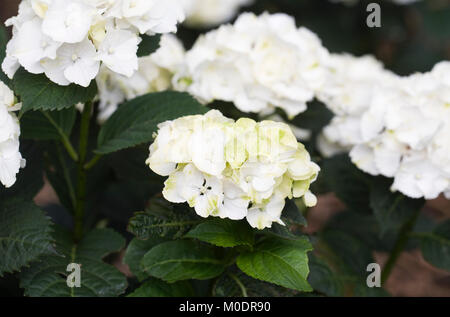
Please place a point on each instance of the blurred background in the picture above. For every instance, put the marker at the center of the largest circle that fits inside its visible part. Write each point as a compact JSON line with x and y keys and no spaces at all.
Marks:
{"x":412,"y":38}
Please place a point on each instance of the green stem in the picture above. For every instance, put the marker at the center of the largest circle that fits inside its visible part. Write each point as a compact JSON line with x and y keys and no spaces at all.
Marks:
{"x":82,"y":176}
{"x":67,"y":178}
{"x":400,"y":244}
{"x":64,"y":138}
{"x":239,"y":283}
{"x":92,"y":162}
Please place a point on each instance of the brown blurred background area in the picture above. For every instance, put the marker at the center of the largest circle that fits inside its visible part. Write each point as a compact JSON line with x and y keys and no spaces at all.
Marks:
{"x":8,"y":8}
{"x":412,"y":276}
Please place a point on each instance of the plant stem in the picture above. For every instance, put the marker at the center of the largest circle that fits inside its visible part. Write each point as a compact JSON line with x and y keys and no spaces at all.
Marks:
{"x":239,"y":283}
{"x":64,"y":138}
{"x":92,"y":162}
{"x":67,"y":178}
{"x":82,"y":176}
{"x":400,"y":244}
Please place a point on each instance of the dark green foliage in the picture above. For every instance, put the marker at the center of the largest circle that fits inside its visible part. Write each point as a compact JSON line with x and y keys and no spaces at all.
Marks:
{"x":47,"y":276}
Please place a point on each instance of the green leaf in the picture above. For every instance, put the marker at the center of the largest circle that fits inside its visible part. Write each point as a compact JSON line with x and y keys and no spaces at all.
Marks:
{"x":130,"y":164}
{"x":323,"y":279}
{"x":354,"y":254}
{"x":136,"y":251}
{"x":135,"y":121}
{"x":37,"y":92}
{"x":183,"y":260}
{"x":315,"y":118}
{"x":163,"y":220}
{"x":363,"y":227}
{"x":391,"y":210}
{"x":47,"y":277}
{"x":35,"y":125}
{"x":347,"y":182}
{"x":24,"y":234}
{"x":435,"y":246}
{"x":281,"y":262}
{"x":280,"y":232}
{"x":331,"y":277}
{"x":292,"y":215}
{"x":148,"y":45}
{"x":158,"y":288}
{"x":343,"y":251}
{"x":223,"y":233}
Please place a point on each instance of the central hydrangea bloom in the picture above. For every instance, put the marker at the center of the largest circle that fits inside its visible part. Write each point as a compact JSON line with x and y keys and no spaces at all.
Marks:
{"x":234,"y":170}
{"x":69,"y":39}
{"x":10,"y":158}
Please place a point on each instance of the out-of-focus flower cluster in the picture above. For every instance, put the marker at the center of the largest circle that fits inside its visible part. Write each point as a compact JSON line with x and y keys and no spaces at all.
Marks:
{"x":10,"y":158}
{"x":234,"y":170}
{"x":208,"y":13}
{"x":350,"y":86}
{"x":154,"y":74}
{"x":259,"y":63}
{"x":68,"y":40}
{"x":398,"y":127}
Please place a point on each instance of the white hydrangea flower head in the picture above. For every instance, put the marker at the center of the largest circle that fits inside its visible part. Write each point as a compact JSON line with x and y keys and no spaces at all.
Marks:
{"x":154,"y":74}
{"x":259,"y":63}
{"x":68,"y":40}
{"x":402,"y":132}
{"x":232,"y":169}
{"x":208,"y":13}
{"x":10,"y":158}
{"x":350,"y":86}
{"x":351,"y":81}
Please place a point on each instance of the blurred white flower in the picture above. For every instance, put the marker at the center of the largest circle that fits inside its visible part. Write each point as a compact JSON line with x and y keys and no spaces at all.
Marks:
{"x":67,"y":39}
{"x":350,"y":83}
{"x":245,"y":169}
{"x":398,"y":127}
{"x":154,"y":74}
{"x":259,"y":63}
{"x":10,"y":158}
{"x":209,"y":13}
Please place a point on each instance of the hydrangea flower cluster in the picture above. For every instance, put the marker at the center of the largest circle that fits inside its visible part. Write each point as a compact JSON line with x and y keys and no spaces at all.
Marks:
{"x":403,"y":131}
{"x":232,"y":169}
{"x":68,"y":40}
{"x":348,"y":90}
{"x":154,"y":74}
{"x":10,"y":158}
{"x":259,"y":63}
{"x":208,"y":13}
